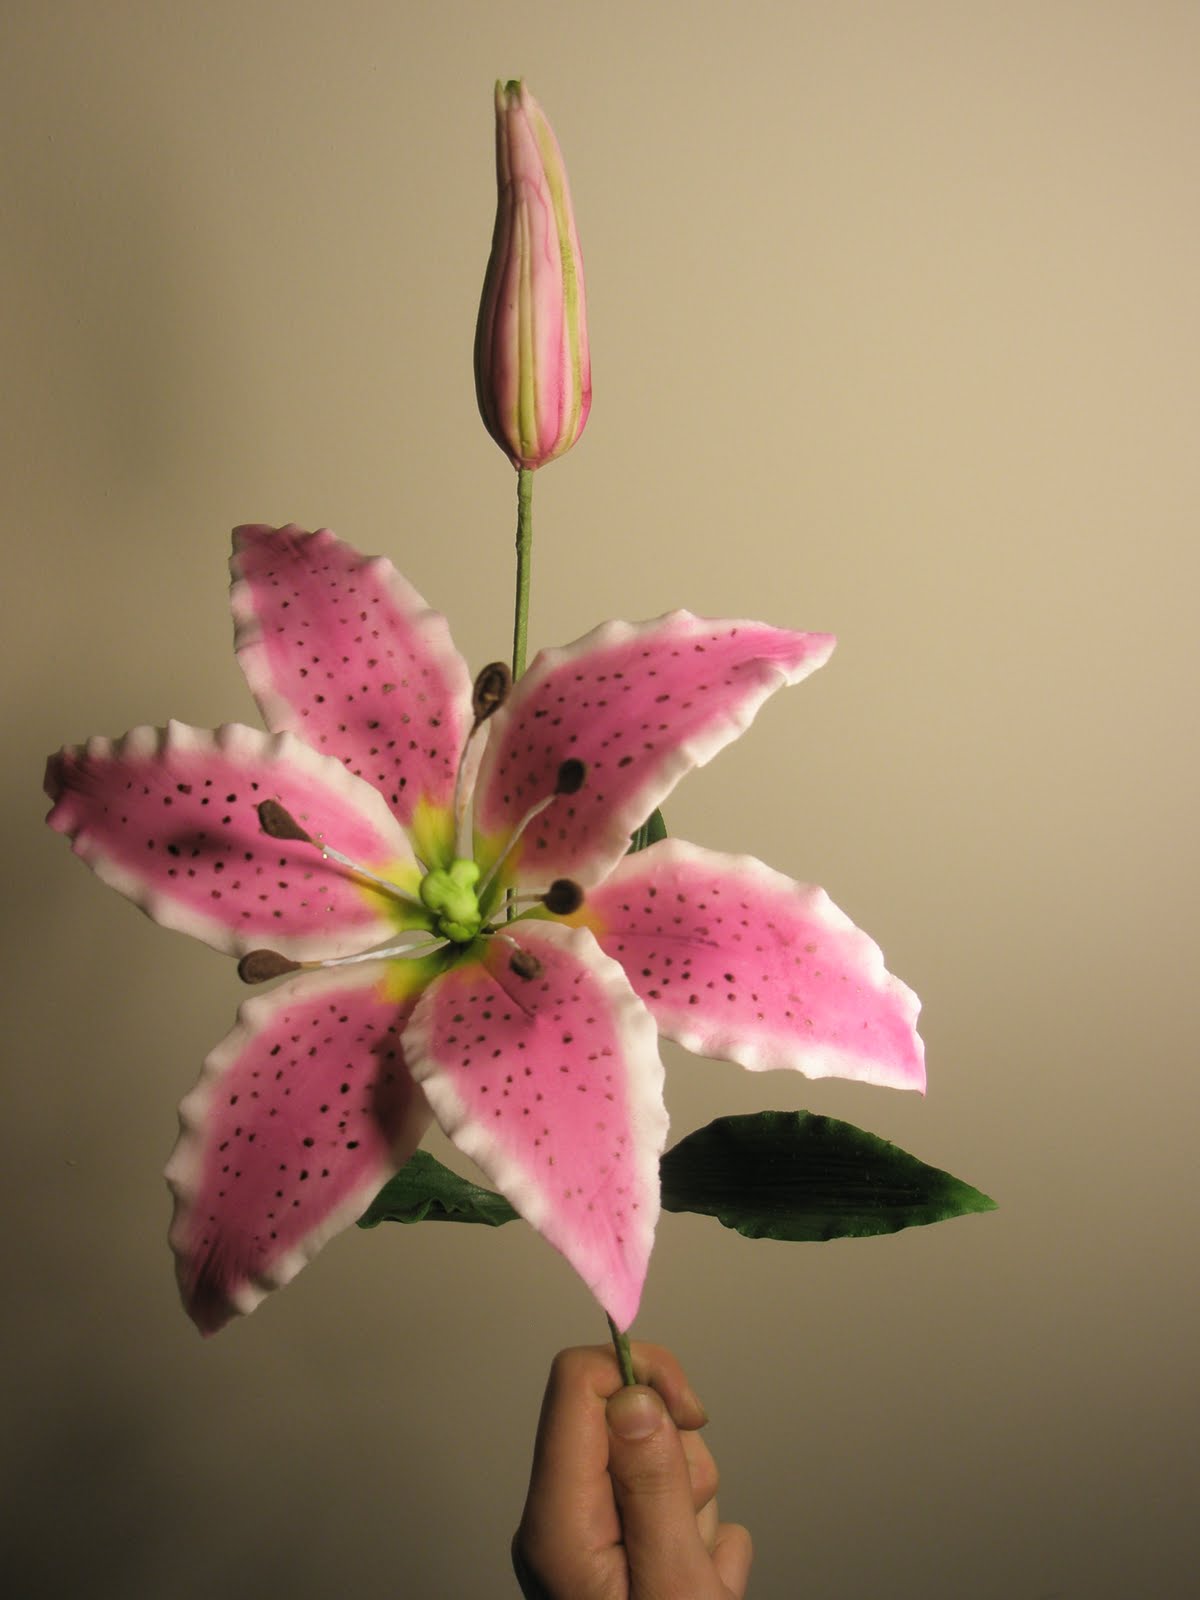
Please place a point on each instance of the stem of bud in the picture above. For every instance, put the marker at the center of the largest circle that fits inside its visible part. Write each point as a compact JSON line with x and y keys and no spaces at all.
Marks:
{"x":524,"y":567}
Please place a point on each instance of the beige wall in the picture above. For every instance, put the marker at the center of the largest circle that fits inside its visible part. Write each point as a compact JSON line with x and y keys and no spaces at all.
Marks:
{"x":895,"y":330}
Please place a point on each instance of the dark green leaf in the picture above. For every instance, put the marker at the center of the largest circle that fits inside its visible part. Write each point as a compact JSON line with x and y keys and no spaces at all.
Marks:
{"x":773,"y":1175}
{"x":792,"y":1175}
{"x":426,"y":1191}
{"x":650,"y":832}
{"x":655,"y":827}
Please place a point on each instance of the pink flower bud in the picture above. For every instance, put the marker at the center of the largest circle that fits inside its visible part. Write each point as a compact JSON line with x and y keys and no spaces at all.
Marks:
{"x":533,"y":375}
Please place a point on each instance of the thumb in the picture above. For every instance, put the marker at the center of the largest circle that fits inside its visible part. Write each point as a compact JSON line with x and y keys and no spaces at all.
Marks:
{"x":653,"y":1492}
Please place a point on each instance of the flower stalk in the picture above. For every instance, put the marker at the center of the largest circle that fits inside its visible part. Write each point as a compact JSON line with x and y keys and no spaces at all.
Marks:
{"x":524,"y":568}
{"x":624,"y":1358}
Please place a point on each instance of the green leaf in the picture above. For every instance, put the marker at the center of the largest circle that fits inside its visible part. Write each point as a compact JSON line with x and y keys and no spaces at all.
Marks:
{"x":655,"y":827}
{"x":426,"y":1191}
{"x":792,"y":1175}
{"x":773,"y":1175}
{"x":650,"y":832}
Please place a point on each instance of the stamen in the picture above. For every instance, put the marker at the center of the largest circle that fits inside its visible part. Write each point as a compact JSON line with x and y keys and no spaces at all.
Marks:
{"x":259,"y":966}
{"x":464,"y":788}
{"x":563,"y":897}
{"x":394,"y":952}
{"x":570,"y":777}
{"x":278,"y":823}
{"x":569,"y":780}
{"x":331,"y":854}
{"x":534,"y":811}
{"x":523,"y":962}
{"x":490,"y":692}
{"x":488,"y":695}
{"x":525,"y":965}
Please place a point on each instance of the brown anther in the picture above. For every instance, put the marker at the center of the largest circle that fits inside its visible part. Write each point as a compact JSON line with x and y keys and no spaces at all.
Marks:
{"x":278,"y":823}
{"x":258,"y":966}
{"x":490,"y":691}
{"x":525,"y":965}
{"x":570,"y":777}
{"x":563,"y":897}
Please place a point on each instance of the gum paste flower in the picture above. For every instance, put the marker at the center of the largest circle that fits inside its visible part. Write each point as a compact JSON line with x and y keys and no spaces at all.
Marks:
{"x":437,"y":870}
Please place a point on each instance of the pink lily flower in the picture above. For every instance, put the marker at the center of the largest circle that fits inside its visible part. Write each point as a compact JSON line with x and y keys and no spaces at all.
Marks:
{"x":439,"y":872}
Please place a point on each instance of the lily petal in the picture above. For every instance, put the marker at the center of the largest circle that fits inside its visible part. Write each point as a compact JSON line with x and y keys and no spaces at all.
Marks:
{"x":552,"y":1084}
{"x":736,"y":961}
{"x":168,"y":817}
{"x":640,"y":705}
{"x":301,"y":1114}
{"x":340,"y":649}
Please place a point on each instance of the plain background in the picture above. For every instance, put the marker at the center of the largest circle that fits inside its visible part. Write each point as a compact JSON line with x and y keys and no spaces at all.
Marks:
{"x":895,"y":327}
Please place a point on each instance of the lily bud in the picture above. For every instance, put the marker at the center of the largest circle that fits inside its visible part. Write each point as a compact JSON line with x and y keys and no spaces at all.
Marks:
{"x":533,"y":375}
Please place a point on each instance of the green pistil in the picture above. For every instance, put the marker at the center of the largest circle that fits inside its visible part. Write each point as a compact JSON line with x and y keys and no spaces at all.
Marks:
{"x":450,"y":896}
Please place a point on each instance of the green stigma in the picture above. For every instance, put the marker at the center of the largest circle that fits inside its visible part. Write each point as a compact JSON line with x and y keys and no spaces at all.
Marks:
{"x":450,"y":896}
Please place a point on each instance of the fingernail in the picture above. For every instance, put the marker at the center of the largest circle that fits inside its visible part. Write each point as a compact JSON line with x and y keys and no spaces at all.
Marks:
{"x":634,"y":1413}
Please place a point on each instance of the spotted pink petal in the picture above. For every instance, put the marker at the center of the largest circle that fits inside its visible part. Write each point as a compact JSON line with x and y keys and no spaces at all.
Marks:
{"x":339,"y":648}
{"x":553,"y":1086}
{"x":168,"y":816}
{"x":301,"y":1114}
{"x":736,"y":961}
{"x":640,"y":705}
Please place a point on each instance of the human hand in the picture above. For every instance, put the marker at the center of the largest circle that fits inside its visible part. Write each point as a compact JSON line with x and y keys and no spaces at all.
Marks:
{"x":622,"y":1495}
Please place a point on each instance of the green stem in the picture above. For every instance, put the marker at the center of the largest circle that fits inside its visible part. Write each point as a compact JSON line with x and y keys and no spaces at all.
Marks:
{"x":524,"y":564}
{"x":520,"y":647}
{"x":521,"y":604}
{"x":624,"y":1359}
